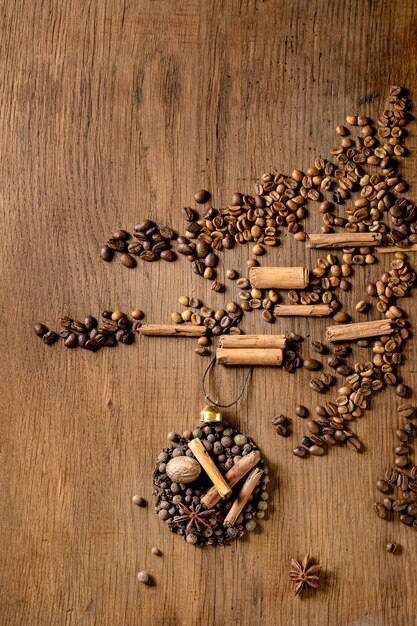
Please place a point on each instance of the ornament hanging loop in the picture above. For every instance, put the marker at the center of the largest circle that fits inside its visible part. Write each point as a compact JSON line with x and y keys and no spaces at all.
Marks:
{"x":211,"y":365}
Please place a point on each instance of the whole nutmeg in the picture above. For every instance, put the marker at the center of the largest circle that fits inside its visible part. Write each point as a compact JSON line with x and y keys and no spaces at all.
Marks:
{"x":183,"y":469}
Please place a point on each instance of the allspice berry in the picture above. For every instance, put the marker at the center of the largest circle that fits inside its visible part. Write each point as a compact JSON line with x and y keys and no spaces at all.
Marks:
{"x":156,"y":551}
{"x":144,"y":578}
{"x":138,"y":500}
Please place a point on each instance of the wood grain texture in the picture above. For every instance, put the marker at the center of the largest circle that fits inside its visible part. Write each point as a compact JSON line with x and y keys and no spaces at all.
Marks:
{"x":113,"y":110}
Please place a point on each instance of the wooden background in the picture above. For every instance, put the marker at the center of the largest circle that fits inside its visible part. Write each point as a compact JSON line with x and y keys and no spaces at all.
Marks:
{"x":111,"y":111}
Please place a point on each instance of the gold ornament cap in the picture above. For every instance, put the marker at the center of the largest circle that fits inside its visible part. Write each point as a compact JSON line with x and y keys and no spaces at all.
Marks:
{"x":210,"y":414}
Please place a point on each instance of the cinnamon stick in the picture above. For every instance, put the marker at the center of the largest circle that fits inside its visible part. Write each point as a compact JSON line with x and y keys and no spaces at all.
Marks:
{"x":302,"y":310}
{"x":172,"y":330}
{"x":278,"y":277}
{"x":249,"y":356}
{"x":232,"y":477}
{"x":252,"y":341}
{"x":244,"y":494}
{"x":346,"y":332}
{"x":209,"y":467}
{"x":342,"y":240}
{"x":385,"y":249}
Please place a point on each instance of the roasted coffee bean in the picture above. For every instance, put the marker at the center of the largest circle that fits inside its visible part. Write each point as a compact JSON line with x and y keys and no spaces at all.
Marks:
{"x":300,"y":452}
{"x":327,"y":379}
{"x":317,"y":346}
{"x":168,"y":255}
{"x":90,"y":322}
{"x":107,"y":314}
{"x":189,"y":214}
{"x":380,"y":510}
{"x":65,"y":322}
{"x":111,"y":341}
{"x":402,"y":482}
{"x":402,"y":390}
{"x":49,"y":337}
{"x":317,"y":385}
{"x":402,"y":435}
{"x":388,"y":502}
{"x":198,"y":267}
{"x":106,"y":253}
{"x":391,"y":474}
{"x":167,"y":233}
{"x":40,"y":329}
{"x":124,"y":336}
{"x":391,"y":548}
{"x":314,"y":427}
{"x":410,"y":429}
{"x":341,"y":350}
{"x":135,"y":247}
{"x":124,"y":323}
{"x":406,"y":410}
{"x":402,"y":462}
{"x":144,"y":225}
{"x":109,"y":326}
{"x":316,"y":450}
{"x":71,"y":341}
{"x":406,"y":519}
{"x":127,"y":260}
{"x":78,"y":327}
{"x":402,"y":450}
{"x":121,"y":235}
{"x":383,"y":486}
{"x":64,"y":333}
{"x":82,"y":339}
{"x":312,"y":364}
{"x":354,"y":444}
{"x":116,"y":244}
{"x":344,"y":370}
{"x":333,"y":361}
{"x":301,"y":411}
{"x":201,"y":196}
{"x":149,"y":256}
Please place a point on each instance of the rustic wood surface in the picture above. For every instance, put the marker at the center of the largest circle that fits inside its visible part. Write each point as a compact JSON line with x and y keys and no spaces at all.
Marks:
{"x":113,"y":110}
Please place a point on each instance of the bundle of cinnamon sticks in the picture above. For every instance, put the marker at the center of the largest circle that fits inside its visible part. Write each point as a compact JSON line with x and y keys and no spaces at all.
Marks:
{"x":251,"y":350}
{"x":222,"y":485}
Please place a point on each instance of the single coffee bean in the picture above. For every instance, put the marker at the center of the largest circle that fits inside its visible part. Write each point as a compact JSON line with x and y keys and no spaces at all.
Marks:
{"x":106,"y":253}
{"x":116,"y":244}
{"x":90,"y":322}
{"x":314,"y":427}
{"x":312,"y":364}
{"x":402,"y":462}
{"x":110,"y":342}
{"x":124,"y":336}
{"x":361,"y":306}
{"x":201,"y":196}
{"x":168,"y":255}
{"x":198,"y":267}
{"x":391,"y":474}
{"x":49,"y":337}
{"x":189,"y":214}
{"x":406,"y":519}
{"x":149,"y":256}
{"x":64,"y":333}
{"x":401,"y":390}
{"x":402,"y":435}
{"x":317,"y":346}
{"x":342,"y":350}
{"x":380,"y":510}
{"x":127,"y":260}
{"x":402,"y":450}
{"x":410,"y":429}
{"x":300,"y":452}
{"x":406,"y":410}
{"x":391,"y":548}
{"x":71,"y":341}
{"x":383,"y":486}
{"x":344,"y":370}
{"x":333,"y":361}
{"x":316,"y":450}
{"x":317,"y":385}
{"x":327,"y":379}
{"x":40,"y":329}
{"x":301,"y":411}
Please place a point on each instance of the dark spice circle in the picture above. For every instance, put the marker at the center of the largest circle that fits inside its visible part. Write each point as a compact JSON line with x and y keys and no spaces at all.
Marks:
{"x":226,"y":446}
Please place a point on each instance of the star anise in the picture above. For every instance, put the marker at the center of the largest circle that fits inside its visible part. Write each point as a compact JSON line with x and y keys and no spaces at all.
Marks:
{"x":193,"y":516}
{"x":304,"y":574}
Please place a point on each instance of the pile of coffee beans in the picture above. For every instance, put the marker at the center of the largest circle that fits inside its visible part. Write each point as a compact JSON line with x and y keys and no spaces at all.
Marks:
{"x":150,"y":243}
{"x":216,"y":321}
{"x":115,"y":327}
{"x":365,"y":379}
{"x":226,"y":446}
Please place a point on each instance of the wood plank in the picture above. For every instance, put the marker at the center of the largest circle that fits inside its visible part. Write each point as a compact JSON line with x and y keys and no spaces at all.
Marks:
{"x":113,"y":111}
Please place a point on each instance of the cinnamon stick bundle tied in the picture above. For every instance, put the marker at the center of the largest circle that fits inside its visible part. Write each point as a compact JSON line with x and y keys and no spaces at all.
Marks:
{"x":249,"y":356}
{"x":361,"y":330}
{"x":252,"y":341}
{"x":243,"y":497}
{"x":343,"y":240}
{"x":302,"y":310}
{"x":278,"y":277}
{"x":172,"y":330}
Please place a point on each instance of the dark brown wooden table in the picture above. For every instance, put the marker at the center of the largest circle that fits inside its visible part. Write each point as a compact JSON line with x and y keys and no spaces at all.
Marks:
{"x":112,"y":111}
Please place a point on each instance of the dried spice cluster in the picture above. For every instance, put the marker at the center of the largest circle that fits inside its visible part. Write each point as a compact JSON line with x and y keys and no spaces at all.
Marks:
{"x":179,"y":505}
